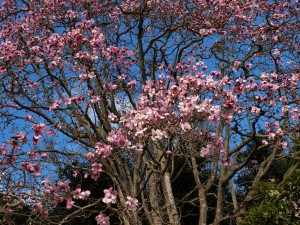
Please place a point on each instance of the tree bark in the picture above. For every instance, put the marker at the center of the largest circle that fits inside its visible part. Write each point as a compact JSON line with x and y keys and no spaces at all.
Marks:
{"x":170,"y":201}
{"x":201,"y":194}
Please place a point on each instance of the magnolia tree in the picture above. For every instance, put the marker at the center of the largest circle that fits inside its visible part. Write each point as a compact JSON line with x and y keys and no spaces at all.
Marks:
{"x":135,"y":87}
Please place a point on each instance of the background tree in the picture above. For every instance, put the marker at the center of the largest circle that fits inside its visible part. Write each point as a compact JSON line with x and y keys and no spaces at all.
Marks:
{"x":138,"y":90}
{"x":284,"y":161}
{"x":276,"y":203}
{"x":276,"y":200}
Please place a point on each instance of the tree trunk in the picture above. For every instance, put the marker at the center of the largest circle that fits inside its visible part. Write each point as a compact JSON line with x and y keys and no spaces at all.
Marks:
{"x":201,"y":193}
{"x":170,"y":201}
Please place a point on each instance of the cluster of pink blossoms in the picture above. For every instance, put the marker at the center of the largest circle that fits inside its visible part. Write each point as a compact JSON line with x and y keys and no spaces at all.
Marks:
{"x":110,"y":196}
{"x":38,"y":130}
{"x":32,"y":168}
{"x":173,"y":108}
{"x":102,"y":151}
{"x":102,"y":219}
{"x":61,"y":189}
{"x":132,"y":203}
{"x":96,"y":170}
{"x":78,"y":194}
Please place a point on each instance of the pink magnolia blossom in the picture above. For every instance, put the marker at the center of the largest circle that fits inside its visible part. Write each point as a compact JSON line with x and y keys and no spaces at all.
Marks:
{"x":228,"y":117}
{"x":78,"y":194}
{"x":63,"y":185}
{"x":68,"y":101}
{"x":122,"y":77}
{"x":78,"y":99}
{"x":69,"y":203}
{"x":32,"y":154}
{"x":158,"y":134}
{"x":132,"y":83}
{"x":205,"y":151}
{"x":272,"y":136}
{"x":14,"y":144}
{"x":103,"y":150}
{"x":227,"y":162}
{"x":186,"y":126}
{"x":57,"y":198}
{"x":110,"y":196}
{"x":36,"y":139}
{"x":96,"y":170}
{"x":51,"y":132}
{"x":46,"y":213}
{"x":84,"y":195}
{"x":55,"y":84}
{"x":112,"y":117}
{"x":55,"y":105}
{"x":279,"y":132}
{"x":110,"y":86}
{"x":22,"y":137}
{"x":83,"y":77}
{"x":118,"y":139}
{"x":168,"y":152}
{"x":3,"y":149}
{"x":95,"y":99}
{"x":236,"y":65}
{"x":32,"y":168}
{"x":102,"y":219}
{"x":132,"y":203}
{"x":2,"y":69}
{"x":138,"y":148}
{"x":37,"y":170}
{"x":284,"y":144}
{"x":57,"y":126}
{"x":38,"y":207}
{"x":39,"y":128}
{"x":255,"y":110}
{"x":75,"y":173}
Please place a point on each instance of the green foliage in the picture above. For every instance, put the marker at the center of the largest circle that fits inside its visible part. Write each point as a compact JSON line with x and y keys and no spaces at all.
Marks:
{"x":276,"y":204}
